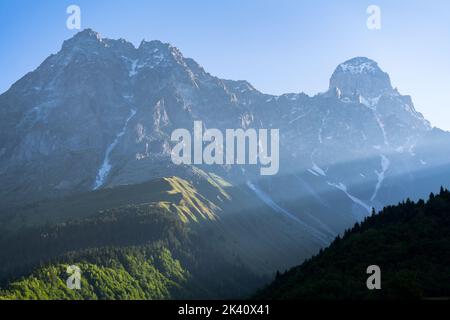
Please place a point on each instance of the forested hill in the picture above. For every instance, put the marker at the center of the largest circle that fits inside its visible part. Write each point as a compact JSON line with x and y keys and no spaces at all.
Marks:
{"x":410,"y":242}
{"x":132,"y":252}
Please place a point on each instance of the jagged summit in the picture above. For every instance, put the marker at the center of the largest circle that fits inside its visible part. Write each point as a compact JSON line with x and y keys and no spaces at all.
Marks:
{"x":88,"y":33}
{"x":90,"y":41}
{"x":103,"y":103}
{"x":359,"y":65}
{"x":352,"y":78}
{"x":360,"y":76}
{"x":152,"y":43}
{"x":83,"y":37}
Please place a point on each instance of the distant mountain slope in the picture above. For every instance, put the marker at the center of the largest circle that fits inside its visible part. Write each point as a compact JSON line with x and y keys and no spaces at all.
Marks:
{"x":410,"y":242}
{"x":176,"y":193}
{"x":231,"y":218}
{"x":203,"y":221}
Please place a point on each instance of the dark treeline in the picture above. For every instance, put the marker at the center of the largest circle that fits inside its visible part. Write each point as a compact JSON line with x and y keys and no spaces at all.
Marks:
{"x":410,"y":242}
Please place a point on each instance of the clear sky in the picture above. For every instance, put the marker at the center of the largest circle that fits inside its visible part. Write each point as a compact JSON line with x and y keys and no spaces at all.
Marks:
{"x":279,"y":46}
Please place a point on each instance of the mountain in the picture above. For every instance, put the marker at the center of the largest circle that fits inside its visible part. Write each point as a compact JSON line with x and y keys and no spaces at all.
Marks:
{"x":106,"y":109}
{"x":409,"y":242}
{"x":361,"y":76}
{"x":89,"y":131}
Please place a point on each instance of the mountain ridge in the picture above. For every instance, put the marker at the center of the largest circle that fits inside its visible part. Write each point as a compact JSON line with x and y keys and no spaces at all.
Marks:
{"x":99,"y":115}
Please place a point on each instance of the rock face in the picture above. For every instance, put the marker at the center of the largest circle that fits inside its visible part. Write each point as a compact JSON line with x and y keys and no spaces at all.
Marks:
{"x":100,"y":112}
{"x":361,"y":76}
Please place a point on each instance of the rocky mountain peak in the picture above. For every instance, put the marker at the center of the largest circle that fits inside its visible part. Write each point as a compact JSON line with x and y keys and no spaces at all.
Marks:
{"x":360,"y":76}
{"x":153,"y":44}
{"x":158,"y":47}
{"x":360,"y":65}
{"x":88,"y":34}
{"x":86,"y":37}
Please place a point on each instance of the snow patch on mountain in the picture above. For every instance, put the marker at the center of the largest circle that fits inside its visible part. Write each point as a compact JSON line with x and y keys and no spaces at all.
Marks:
{"x":106,"y":166}
{"x":356,"y":200}
{"x":353,"y":68}
{"x":385,"y":163}
{"x":370,"y":103}
{"x":298,"y":118}
{"x":324,"y":120}
{"x":382,"y":127}
{"x":318,"y":170}
{"x":264,"y":197}
{"x":133,"y":71}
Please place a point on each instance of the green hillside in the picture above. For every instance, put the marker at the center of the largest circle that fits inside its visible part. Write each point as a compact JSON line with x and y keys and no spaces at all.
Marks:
{"x":410,"y":243}
{"x":133,"y":252}
{"x":162,"y":239}
{"x":131,"y":273}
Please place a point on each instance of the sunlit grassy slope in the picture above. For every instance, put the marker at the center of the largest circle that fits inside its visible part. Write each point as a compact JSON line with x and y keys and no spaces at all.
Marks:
{"x":182,"y":196}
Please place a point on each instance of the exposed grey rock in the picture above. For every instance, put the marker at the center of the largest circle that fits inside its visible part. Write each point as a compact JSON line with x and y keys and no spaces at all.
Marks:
{"x":59,"y":122}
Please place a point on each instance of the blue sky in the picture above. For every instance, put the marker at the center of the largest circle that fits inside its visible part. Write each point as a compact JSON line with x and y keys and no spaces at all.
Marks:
{"x":279,"y":46}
